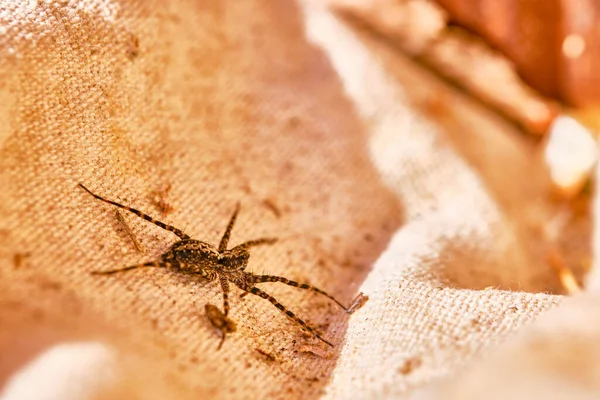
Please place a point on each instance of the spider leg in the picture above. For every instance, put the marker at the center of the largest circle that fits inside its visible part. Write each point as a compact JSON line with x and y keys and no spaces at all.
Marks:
{"x":273,"y":278}
{"x":256,"y":291}
{"x":225,"y":287}
{"x":152,"y":264}
{"x":140,"y":214}
{"x":257,"y":242}
{"x":223,"y":335}
{"x":227,"y":234}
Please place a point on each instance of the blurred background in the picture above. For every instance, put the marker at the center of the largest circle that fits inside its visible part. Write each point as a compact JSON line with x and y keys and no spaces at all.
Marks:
{"x":533,"y":62}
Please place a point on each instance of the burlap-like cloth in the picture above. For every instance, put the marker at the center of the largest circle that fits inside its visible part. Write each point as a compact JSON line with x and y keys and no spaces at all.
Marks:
{"x":373,"y":175}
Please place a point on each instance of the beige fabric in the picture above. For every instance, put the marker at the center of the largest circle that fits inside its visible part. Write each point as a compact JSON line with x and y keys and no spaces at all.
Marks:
{"x":374,"y":176}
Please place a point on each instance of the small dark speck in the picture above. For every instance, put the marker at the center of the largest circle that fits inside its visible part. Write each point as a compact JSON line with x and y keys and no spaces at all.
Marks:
{"x":133,"y":47}
{"x":410,"y":365}
{"x":50,"y":285}
{"x":294,"y":121}
{"x":37,"y":314}
{"x":270,"y":204}
{"x":247,"y":188}
{"x":288,"y":166}
{"x":18,"y":259}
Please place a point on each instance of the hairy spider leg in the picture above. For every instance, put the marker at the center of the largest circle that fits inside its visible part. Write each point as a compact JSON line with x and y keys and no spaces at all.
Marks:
{"x":227,"y":234}
{"x":225,"y":287}
{"x":151,"y":264}
{"x":140,"y":214}
{"x":256,"y":291}
{"x":257,"y":242}
{"x":223,"y":335}
{"x":273,"y":278}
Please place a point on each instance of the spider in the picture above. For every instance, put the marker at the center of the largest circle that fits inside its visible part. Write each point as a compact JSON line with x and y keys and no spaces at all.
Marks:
{"x":194,"y":257}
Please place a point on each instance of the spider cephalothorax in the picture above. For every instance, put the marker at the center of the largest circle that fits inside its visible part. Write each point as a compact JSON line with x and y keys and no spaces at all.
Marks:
{"x":190,"y":256}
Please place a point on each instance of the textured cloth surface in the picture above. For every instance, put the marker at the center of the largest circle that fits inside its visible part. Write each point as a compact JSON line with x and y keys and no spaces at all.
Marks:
{"x":373,"y":175}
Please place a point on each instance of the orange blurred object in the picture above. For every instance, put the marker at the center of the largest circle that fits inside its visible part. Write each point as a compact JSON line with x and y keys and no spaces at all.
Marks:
{"x":554,"y":44}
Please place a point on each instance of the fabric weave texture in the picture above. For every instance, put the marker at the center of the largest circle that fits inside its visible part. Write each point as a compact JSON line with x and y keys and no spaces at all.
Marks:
{"x":375,"y":177}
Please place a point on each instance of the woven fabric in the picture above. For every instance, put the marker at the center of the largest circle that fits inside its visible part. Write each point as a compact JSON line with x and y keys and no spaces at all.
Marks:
{"x":373,"y":175}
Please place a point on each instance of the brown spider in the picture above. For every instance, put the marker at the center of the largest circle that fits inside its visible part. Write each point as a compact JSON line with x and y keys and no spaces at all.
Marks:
{"x":190,"y":256}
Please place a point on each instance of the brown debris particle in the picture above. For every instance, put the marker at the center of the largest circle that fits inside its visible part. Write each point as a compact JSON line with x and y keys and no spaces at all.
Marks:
{"x":410,"y":365}
{"x":316,"y":351}
{"x":294,"y":121}
{"x":358,"y":302}
{"x":158,"y":199}
{"x":18,"y":259}
{"x":269,"y":356}
{"x":133,"y":47}
{"x":270,"y":204}
{"x":47,"y":284}
{"x":129,"y":232}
